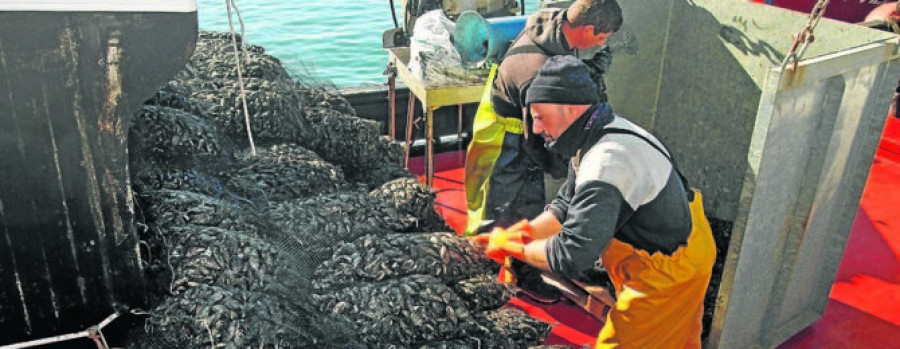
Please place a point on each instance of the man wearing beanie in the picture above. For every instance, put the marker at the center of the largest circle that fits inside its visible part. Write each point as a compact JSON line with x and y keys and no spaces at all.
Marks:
{"x":505,"y":164}
{"x":625,"y":202}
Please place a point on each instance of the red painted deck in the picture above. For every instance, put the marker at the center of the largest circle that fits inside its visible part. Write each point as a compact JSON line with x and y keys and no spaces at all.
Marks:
{"x":864,"y":310}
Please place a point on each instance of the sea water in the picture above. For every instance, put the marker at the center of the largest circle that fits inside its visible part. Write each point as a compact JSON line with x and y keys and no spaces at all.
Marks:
{"x":337,"y":42}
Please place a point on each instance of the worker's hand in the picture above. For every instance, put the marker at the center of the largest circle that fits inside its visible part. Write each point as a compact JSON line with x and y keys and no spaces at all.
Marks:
{"x":501,"y":242}
{"x":599,"y":63}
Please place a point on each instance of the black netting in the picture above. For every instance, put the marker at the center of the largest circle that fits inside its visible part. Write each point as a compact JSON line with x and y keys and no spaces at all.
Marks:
{"x":283,"y":172}
{"x":166,"y":133}
{"x":403,"y":311}
{"x":482,"y":292}
{"x":445,"y":256}
{"x":229,"y":317}
{"x":511,"y":328}
{"x":215,"y":256}
{"x":319,"y":240}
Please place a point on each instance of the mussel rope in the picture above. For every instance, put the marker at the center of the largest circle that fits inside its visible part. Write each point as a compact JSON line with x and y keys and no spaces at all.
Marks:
{"x":229,"y":4}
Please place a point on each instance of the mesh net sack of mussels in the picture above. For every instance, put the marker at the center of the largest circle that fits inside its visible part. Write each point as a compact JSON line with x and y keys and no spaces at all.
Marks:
{"x":420,"y":311}
{"x":445,"y":256}
{"x":399,"y":205}
{"x":412,"y":201}
{"x":169,"y":134}
{"x":149,"y":177}
{"x":330,"y":217}
{"x":417,"y":308}
{"x":283,"y":172}
{"x":482,"y":292}
{"x":214,"y":59}
{"x":166,"y":208}
{"x":215,"y":256}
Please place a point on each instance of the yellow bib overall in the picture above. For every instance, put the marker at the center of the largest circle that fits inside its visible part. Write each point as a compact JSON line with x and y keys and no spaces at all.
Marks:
{"x":660,"y":298}
{"x":488,"y":131}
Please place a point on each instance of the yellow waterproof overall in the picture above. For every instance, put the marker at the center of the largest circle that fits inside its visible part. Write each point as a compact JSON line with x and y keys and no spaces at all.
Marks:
{"x":659,"y":298}
{"x":488,"y":131}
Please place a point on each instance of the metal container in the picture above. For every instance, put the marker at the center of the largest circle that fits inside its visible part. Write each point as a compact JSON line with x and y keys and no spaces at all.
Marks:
{"x":71,"y":75}
{"x":782,"y":153}
{"x":478,"y":39}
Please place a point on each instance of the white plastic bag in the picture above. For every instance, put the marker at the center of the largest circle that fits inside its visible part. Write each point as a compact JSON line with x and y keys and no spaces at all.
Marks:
{"x":433,"y":58}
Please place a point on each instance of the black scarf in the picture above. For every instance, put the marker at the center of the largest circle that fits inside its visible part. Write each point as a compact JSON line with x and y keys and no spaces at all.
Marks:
{"x":584,"y":132}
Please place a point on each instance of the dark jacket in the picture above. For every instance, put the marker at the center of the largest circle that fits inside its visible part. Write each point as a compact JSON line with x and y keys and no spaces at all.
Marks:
{"x":619,"y":187}
{"x":543,"y":29}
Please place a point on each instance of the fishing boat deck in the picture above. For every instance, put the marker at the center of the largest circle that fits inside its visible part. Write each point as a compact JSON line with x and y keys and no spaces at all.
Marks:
{"x":864,"y":306}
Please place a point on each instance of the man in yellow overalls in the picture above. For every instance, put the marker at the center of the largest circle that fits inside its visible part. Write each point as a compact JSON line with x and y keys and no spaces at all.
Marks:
{"x":504,"y":164}
{"x":625,"y":202}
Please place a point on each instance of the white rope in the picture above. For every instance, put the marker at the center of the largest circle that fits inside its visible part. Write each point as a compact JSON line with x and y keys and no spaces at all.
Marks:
{"x":103,"y":339}
{"x":65,"y":337}
{"x":229,"y":4}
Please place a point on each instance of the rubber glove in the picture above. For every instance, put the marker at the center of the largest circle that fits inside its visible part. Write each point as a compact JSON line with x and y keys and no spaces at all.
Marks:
{"x":599,"y":65}
{"x":509,"y":242}
{"x":600,"y":62}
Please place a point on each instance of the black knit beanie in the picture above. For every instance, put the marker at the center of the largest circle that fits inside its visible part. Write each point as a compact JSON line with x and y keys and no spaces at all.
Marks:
{"x":563,"y":80}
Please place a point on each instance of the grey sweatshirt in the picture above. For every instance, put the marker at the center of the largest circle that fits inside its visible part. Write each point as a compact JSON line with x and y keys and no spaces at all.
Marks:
{"x":619,"y":187}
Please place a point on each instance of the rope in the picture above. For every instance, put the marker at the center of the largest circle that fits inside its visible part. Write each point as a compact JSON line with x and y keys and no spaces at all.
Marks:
{"x":97,"y":336}
{"x":92,"y":332}
{"x":805,"y":36}
{"x":229,"y":4}
{"x":394,"y":15}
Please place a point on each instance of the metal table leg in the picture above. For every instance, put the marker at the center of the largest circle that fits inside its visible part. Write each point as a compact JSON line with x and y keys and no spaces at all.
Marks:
{"x":429,"y":146}
{"x":459,"y":126}
{"x":411,"y":111}
{"x":392,"y":96}
{"x":459,"y":142}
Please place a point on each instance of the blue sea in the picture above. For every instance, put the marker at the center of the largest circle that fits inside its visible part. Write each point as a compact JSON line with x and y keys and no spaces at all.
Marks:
{"x":337,"y":41}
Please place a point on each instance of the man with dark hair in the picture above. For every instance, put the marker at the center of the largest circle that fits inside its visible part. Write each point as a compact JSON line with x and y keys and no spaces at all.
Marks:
{"x":624,"y":204}
{"x":505,"y":162}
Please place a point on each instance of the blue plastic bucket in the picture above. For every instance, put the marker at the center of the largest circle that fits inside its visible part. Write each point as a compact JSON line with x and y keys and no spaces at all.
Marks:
{"x":477,"y":38}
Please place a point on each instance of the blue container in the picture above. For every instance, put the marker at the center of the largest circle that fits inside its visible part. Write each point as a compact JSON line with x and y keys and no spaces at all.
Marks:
{"x":478,"y":39}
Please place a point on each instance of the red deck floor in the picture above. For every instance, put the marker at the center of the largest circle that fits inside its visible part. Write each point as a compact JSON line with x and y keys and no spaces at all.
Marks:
{"x":864,"y":309}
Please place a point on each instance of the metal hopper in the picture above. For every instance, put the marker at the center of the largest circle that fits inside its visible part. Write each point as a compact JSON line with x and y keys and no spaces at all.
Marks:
{"x":782,"y":153}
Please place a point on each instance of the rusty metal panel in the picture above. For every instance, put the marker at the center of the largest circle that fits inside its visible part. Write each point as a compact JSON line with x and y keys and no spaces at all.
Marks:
{"x":69,"y":81}
{"x":813,"y":144}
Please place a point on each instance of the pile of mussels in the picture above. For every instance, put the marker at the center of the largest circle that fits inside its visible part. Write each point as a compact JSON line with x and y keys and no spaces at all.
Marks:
{"x":318,"y":239}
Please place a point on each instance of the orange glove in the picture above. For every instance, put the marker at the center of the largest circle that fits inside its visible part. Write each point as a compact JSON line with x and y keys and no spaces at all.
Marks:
{"x":501,"y":243}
